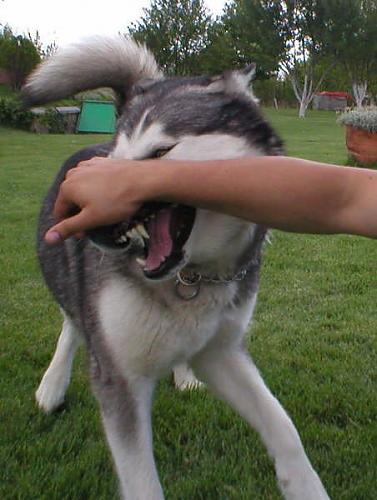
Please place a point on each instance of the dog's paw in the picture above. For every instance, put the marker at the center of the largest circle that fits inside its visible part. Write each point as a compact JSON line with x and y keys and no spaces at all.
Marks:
{"x":51,"y":391}
{"x":301,"y":482}
{"x":189,"y":385}
{"x":184,"y":378}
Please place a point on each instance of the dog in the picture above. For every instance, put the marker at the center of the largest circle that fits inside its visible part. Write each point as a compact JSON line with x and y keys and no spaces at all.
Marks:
{"x":173,"y":286}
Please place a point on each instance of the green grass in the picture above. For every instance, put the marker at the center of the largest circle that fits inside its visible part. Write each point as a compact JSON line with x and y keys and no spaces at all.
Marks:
{"x":313,"y":338}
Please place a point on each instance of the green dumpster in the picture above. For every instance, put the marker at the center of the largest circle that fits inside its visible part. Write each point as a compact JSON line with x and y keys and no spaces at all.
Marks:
{"x":97,"y":116}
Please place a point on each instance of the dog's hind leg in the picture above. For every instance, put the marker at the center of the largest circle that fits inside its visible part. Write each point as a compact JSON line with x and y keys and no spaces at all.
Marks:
{"x":126,"y":415}
{"x":232,"y":375}
{"x":184,"y":378}
{"x":51,"y":391}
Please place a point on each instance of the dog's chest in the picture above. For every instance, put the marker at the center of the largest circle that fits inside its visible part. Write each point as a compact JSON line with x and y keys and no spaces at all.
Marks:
{"x":150,"y":330}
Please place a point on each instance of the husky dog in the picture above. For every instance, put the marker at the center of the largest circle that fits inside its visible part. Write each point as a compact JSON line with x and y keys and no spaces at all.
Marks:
{"x":173,"y":285}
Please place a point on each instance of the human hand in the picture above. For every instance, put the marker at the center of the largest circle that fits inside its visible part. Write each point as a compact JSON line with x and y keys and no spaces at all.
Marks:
{"x":97,"y":192}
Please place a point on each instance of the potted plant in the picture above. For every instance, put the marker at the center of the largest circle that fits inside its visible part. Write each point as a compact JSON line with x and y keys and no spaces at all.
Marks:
{"x":361,"y":134}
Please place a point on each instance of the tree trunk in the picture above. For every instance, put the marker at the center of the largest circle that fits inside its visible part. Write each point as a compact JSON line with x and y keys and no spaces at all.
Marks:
{"x":359,"y":92}
{"x":303,"y":107}
{"x":303,"y":96}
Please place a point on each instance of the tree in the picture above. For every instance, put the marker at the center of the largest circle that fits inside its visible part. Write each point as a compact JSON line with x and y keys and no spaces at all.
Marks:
{"x":254,"y":33}
{"x":43,"y":50}
{"x":18,"y":56}
{"x":287,"y":36}
{"x":351,"y":27}
{"x":176,"y":31}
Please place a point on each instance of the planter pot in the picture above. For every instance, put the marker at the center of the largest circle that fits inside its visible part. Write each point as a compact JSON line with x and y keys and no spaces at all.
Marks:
{"x":362,"y":145}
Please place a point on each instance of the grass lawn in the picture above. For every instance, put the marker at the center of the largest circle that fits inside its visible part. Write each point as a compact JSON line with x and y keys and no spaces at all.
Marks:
{"x":313,"y":338}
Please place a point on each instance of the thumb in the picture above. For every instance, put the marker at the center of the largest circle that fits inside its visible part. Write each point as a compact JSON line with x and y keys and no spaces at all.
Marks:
{"x":68,"y":227}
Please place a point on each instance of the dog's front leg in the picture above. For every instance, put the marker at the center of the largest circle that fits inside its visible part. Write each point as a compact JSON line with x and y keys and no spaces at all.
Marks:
{"x":126,"y":414}
{"x":232,"y":375}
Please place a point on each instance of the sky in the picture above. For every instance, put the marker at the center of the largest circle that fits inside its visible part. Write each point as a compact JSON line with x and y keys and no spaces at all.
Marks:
{"x":66,"y":21}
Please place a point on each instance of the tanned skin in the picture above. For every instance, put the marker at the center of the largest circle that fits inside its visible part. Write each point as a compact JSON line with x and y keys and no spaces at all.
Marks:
{"x":291,"y":194}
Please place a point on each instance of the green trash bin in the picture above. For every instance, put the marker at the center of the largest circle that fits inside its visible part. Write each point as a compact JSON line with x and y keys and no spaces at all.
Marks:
{"x":97,"y":117}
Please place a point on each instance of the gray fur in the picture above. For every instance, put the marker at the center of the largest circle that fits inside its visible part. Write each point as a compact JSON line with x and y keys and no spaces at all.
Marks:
{"x":116,"y":62}
{"x":78,"y":273}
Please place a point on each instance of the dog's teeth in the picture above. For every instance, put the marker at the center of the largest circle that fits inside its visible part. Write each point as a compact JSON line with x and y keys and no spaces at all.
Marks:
{"x":142,"y":231}
{"x":140,"y":261}
{"x":123,"y":239}
{"x":135,"y":235}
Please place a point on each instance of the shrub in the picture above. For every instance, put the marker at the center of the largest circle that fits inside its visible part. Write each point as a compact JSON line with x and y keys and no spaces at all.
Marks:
{"x":12,"y":113}
{"x":365,"y":118}
{"x":53,"y":121}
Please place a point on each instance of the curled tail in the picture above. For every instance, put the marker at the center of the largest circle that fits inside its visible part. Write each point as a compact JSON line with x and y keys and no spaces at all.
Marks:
{"x":116,"y":62}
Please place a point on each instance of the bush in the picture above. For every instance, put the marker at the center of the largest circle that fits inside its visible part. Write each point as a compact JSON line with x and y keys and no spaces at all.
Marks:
{"x":12,"y":113}
{"x":365,"y":118}
{"x":53,"y":121}
{"x":18,"y":56}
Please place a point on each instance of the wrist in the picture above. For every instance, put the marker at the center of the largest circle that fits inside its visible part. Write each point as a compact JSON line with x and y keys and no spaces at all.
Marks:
{"x":156,"y":180}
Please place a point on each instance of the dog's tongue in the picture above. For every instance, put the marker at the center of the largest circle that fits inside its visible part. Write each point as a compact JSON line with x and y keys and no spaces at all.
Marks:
{"x":160,"y":243}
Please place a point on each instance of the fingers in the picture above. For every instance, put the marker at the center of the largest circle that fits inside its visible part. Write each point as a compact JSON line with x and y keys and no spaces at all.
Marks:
{"x":64,"y":204}
{"x":69,"y":227}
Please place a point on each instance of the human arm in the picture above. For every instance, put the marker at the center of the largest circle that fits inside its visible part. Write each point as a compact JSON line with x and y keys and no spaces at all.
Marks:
{"x":286,"y":193}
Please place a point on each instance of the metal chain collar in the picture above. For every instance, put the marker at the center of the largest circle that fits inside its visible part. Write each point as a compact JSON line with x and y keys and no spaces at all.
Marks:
{"x":187,"y":284}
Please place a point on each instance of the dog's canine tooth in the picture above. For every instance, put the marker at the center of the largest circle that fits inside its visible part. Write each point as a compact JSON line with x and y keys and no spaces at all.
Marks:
{"x":142,"y":231}
{"x":135,"y":235}
{"x":141,"y":262}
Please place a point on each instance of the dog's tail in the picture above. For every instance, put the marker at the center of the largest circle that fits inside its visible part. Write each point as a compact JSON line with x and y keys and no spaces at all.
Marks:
{"x":115,"y":62}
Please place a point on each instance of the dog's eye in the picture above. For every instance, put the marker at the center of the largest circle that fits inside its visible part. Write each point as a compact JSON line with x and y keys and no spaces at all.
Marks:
{"x":160,"y":152}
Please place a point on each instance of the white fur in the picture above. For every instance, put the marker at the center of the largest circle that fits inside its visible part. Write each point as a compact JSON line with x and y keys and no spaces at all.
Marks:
{"x":148,"y":330}
{"x":134,"y":461}
{"x":184,"y":378}
{"x":51,"y":391}
{"x":147,"y":338}
{"x":232,"y":376}
{"x":92,"y":63}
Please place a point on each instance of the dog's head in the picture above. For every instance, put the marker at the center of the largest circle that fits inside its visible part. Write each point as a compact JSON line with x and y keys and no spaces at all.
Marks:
{"x":188,"y":119}
{"x":176,"y":118}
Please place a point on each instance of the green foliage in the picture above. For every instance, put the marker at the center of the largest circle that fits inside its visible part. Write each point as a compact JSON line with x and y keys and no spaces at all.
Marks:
{"x":176,"y":32}
{"x":253,"y":30}
{"x":5,"y":91}
{"x":365,"y":118}
{"x":53,"y":121}
{"x":18,"y":56}
{"x":274,"y":88}
{"x":351,"y":36}
{"x":12,"y":113}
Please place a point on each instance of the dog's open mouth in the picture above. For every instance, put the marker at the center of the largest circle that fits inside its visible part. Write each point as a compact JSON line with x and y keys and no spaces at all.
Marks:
{"x":158,"y":232}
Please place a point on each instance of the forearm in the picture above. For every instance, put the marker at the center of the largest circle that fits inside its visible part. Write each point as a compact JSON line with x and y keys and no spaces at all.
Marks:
{"x":281,"y":192}
{"x":285,"y":193}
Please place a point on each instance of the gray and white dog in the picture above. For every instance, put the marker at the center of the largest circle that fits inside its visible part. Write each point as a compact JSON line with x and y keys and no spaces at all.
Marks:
{"x":175,"y":284}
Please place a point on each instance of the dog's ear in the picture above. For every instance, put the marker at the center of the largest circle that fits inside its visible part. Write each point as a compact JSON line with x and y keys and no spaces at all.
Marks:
{"x":235,"y":82}
{"x":241,"y":79}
